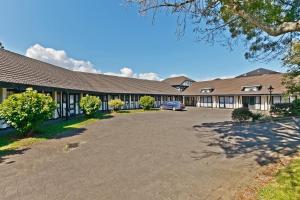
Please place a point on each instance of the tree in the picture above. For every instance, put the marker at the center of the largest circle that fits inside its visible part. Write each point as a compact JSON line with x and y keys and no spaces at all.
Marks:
{"x":1,"y":46}
{"x":147,"y":102}
{"x":116,"y":104}
{"x":27,"y":110}
{"x":268,"y":27}
{"x":90,"y":105}
{"x":291,"y":79}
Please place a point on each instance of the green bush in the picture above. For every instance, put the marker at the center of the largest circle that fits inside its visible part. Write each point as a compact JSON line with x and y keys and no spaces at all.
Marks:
{"x":257,"y":116}
{"x":147,"y":102}
{"x":296,"y":107}
{"x":25,"y":111}
{"x":281,"y":109}
{"x":241,"y":114}
{"x":90,"y":105}
{"x":116,"y":104}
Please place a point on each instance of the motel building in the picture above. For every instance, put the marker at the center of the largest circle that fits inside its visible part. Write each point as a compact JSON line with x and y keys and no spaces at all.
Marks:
{"x":252,"y":90}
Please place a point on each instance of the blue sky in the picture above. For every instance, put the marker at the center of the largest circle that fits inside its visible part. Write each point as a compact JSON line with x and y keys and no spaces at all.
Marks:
{"x":111,"y":36}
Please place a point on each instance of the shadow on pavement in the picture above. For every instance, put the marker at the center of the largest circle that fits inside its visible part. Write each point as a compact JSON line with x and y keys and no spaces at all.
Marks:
{"x":12,"y":143}
{"x":266,"y":141}
{"x":5,"y":153}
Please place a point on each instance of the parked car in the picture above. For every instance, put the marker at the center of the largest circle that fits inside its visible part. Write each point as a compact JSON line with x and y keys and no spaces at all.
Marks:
{"x":172,"y":105}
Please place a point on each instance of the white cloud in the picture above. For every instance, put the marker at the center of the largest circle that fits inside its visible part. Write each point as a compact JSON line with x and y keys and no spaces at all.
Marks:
{"x":59,"y":58}
{"x":176,"y":75}
{"x":213,"y":78}
{"x":124,"y":72}
{"x":149,"y":76}
{"x":128,"y":72}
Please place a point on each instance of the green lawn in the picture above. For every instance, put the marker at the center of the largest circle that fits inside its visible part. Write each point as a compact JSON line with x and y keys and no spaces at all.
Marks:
{"x":12,"y":141}
{"x":286,"y":185}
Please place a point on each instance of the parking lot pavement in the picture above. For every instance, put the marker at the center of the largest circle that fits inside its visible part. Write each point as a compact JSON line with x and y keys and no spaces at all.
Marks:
{"x":192,"y":154}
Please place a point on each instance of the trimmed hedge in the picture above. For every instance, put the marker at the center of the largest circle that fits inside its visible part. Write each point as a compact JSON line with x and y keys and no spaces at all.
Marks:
{"x":281,"y":109}
{"x":296,"y":107}
{"x":90,"y":105}
{"x":147,"y":102}
{"x":116,"y":104}
{"x":27,"y":110}
{"x":241,"y":114}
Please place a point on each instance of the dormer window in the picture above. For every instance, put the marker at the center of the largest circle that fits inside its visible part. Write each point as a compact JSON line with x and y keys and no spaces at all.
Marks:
{"x":187,"y":83}
{"x":206,"y":90}
{"x":253,"y":88}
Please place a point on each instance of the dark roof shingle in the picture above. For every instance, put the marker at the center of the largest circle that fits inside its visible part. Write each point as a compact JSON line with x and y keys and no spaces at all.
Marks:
{"x":233,"y":86}
{"x":19,"y":69}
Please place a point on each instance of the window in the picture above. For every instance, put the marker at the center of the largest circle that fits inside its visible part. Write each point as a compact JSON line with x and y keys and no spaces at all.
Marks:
{"x":206,"y":101}
{"x":280,"y":99}
{"x":253,"y":88}
{"x":226,"y":101}
{"x":187,"y":83}
{"x":11,"y":92}
{"x":206,"y":90}
{"x":276,"y":99}
{"x":136,"y":98}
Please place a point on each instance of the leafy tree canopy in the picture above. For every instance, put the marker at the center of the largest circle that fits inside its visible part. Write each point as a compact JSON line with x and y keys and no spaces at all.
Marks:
{"x":291,"y":79}
{"x":268,"y":27}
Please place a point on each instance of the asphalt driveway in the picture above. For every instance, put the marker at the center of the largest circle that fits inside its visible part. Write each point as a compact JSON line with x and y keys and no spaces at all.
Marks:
{"x":166,"y":155}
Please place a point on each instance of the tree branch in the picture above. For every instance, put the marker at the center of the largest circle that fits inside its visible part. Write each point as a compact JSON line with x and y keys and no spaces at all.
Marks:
{"x":285,"y":27}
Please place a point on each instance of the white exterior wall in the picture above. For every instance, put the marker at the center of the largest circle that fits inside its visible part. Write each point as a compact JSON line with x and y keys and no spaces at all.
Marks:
{"x":198,"y":101}
{"x":237,"y":102}
{"x":215,"y":102}
{"x":54,"y":96}
{"x":80,"y":97}
{"x":3,"y":96}
{"x":265,"y":102}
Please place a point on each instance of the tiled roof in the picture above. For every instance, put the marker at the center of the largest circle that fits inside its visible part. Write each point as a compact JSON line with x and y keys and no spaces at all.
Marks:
{"x":234,"y":86}
{"x":19,"y":69}
{"x":177,"y":80}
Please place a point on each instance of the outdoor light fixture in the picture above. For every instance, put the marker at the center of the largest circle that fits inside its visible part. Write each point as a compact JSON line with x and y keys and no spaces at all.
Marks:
{"x":270,"y":88}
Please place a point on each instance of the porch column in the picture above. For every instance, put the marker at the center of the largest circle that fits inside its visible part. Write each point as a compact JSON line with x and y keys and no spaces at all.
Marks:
{"x":183,"y":100}
{"x":80,"y":97}
{"x":129,"y":101}
{"x":67,"y":105}
{"x":198,"y":101}
{"x":108,"y":99}
{"x":54,"y":96}
{"x":3,"y":94}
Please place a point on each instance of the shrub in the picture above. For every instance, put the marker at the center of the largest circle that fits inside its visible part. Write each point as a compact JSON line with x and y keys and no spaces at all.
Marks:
{"x":147,"y":102}
{"x":116,"y":104}
{"x":241,"y":114}
{"x":281,"y":109}
{"x":296,"y":107}
{"x":25,"y":111}
{"x":257,"y":116}
{"x":90,"y":105}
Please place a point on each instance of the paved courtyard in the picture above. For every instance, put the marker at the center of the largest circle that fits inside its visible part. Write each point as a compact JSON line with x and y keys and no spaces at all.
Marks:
{"x":194,"y":154}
